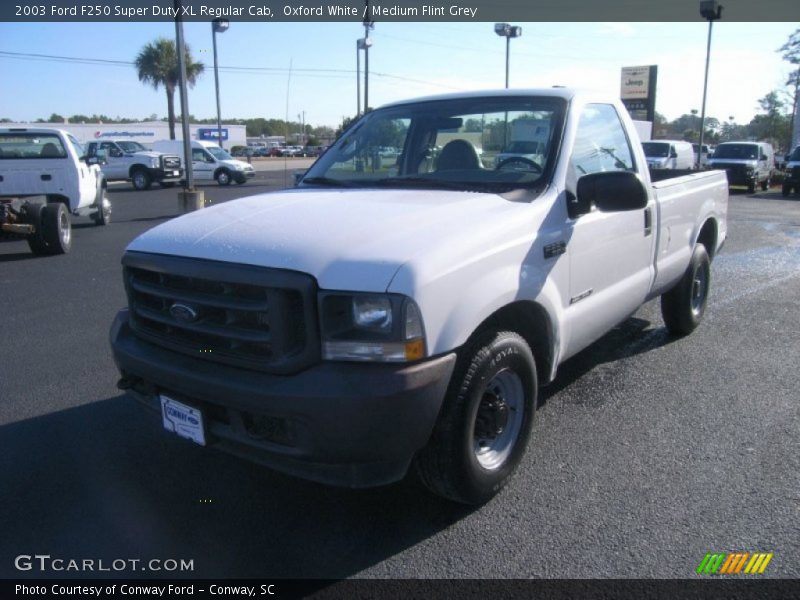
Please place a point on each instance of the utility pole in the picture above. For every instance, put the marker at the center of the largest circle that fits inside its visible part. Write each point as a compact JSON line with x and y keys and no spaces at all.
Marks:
{"x":710,"y":10}
{"x":368,"y":24}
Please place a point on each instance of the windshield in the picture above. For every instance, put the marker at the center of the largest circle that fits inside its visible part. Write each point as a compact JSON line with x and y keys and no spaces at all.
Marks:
{"x":655,"y":149}
{"x":219,"y":153}
{"x":795,"y":154}
{"x":131,"y":147}
{"x":745,"y":151}
{"x":31,"y":145}
{"x":451,"y":144}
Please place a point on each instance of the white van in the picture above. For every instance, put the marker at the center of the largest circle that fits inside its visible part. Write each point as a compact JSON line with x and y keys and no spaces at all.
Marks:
{"x":668,"y":154}
{"x":209,"y":161}
{"x":747,"y":163}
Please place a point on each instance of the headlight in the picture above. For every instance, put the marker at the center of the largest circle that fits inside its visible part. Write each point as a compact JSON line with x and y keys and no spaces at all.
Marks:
{"x":370,"y":327}
{"x":154,"y":163}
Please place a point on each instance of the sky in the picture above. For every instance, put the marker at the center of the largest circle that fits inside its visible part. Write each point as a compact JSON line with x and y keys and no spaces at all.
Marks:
{"x":407,"y":60}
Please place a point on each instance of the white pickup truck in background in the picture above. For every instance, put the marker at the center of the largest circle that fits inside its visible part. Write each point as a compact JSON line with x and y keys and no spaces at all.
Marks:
{"x":128,"y":160}
{"x":45,"y":177}
{"x":390,"y":314}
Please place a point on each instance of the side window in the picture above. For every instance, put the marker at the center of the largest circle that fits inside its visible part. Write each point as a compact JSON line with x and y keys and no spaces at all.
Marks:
{"x":600,"y":142}
{"x":91,"y":149}
{"x":199,"y":155}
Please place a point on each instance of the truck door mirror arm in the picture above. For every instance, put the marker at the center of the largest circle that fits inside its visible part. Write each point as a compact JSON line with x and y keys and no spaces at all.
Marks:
{"x":611,"y":191}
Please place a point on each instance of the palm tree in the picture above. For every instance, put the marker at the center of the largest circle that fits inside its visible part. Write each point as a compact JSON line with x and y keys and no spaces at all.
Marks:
{"x":157,"y":64}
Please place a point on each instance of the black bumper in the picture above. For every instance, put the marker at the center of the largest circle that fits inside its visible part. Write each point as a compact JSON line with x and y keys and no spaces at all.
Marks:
{"x":165,"y":175}
{"x":348,"y":424}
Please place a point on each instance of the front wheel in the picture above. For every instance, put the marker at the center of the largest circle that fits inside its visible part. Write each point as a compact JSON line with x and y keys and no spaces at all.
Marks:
{"x":103,"y":214}
{"x":141,"y":180}
{"x":765,"y":184}
{"x":684,"y":305}
{"x":786,"y":190}
{"x":485,"y":421}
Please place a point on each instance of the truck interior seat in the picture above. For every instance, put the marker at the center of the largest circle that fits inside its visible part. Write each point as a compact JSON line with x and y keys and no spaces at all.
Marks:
{"x":50,"y":150}
{"x":458,"y":155}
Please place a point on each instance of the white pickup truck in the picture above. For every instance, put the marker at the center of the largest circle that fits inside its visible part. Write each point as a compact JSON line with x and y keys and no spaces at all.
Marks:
{"x":388,"y":315}
{"x":45,"y":176}
{"x":128,"y":160}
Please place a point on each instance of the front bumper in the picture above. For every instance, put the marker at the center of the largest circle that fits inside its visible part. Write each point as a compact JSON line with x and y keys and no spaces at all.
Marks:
{"x":166,"y":175}
{"x":347,"y":424}
{"x":242,"y":176}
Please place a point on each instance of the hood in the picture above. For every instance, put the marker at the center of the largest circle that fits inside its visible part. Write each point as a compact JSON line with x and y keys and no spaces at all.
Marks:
{"x":347,"y":239}
{"x":238,"y":163}
{"x":148,"y":154}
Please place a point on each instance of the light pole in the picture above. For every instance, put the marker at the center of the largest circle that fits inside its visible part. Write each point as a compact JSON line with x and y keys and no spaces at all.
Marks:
{"x":711,"y":10}
{"x":218,"y":26}
{"x":361,"y":44}
{"x":368,"y":24}
{"x":507,"y":31}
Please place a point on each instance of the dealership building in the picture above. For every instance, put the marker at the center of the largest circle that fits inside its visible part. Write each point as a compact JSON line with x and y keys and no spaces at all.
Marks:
{"x":145,"y":132}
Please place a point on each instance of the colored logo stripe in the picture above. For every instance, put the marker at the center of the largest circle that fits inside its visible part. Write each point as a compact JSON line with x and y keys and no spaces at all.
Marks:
{"x":733,"y":562}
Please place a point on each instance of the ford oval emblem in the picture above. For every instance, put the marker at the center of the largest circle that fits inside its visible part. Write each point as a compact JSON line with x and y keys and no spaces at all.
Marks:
{"x":183,"y":313}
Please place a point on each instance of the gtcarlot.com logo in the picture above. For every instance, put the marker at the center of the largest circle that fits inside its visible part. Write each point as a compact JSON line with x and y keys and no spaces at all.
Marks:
{"x":46,"y":563}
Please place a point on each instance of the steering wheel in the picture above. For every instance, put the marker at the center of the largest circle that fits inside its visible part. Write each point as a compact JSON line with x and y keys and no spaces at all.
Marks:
{"x":519,"y":163}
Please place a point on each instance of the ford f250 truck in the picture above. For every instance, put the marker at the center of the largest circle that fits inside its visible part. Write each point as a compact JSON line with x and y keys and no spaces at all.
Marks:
{"x":397,"y":314}
{"x":45,"y":177}
{"x":130,"y":160}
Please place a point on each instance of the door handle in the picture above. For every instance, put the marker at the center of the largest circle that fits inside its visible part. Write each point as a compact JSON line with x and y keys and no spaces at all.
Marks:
{"x":648,"y":221}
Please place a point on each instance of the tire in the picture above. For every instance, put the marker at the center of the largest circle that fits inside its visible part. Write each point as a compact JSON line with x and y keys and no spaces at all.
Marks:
{"x":485,"y":422}
{"x":103,"y":215}
{"x":56,"y":228}
{"x":765,"y":184}
{"x":223,"y":177}
{"x":751,"y":187}
{"x":786,"y":190}
{"x":36,"y":241}
{"x":684,"y":305}
{"x":141,"y":180}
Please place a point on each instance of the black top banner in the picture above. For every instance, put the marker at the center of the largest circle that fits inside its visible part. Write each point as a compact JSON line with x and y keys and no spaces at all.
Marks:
{"x":392,"y":10}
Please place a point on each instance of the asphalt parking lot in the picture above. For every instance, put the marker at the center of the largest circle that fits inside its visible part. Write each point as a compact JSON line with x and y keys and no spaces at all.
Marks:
{"x":647,"y":453}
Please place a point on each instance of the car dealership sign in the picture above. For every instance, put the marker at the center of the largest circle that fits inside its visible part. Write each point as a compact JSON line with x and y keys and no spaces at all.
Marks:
{"x":638,"y":91}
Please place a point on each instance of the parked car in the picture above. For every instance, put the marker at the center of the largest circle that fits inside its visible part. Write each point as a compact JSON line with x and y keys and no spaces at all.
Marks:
{"x":746,"y":163}
{"x":210,"y":162}
{"x":243,"y":151}
{"x":368,"y":322}
{"x":791,"y":177}
{"x":45,"y":176}
{"x":668,"y":154}
{"x":128,"y":160}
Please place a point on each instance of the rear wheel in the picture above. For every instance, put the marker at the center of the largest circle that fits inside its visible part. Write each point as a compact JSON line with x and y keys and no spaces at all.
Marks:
{"x":765,"y":184}
{"x":36,"y":241}
{"x":56,"y":228}
{"x":684,"y":305}
{"x":485,"y":421}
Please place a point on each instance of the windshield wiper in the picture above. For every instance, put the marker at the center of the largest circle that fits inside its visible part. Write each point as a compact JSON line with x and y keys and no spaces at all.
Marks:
{"x":326,"y":181}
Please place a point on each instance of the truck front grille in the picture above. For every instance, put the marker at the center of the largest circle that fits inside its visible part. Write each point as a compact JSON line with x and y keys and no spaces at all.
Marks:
{"x":246,"y":316}
{"x":171,"y":162}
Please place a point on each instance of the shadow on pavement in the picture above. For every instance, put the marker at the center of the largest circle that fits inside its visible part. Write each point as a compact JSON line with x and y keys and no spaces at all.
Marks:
{"x":104,"y":481}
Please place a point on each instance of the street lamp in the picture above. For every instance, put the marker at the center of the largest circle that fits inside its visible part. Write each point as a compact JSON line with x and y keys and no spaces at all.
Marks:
{"x":711,"y":10}
{"x":218,"y":26}
{"x":507,"y":31}
{"x":368,"y":24}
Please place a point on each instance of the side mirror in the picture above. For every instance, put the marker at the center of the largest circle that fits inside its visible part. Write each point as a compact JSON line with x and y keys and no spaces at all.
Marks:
{"x":673,"y":154}
{"x":611,"y":191}
{"x":115,"y":153}
{"x":298,"y":176}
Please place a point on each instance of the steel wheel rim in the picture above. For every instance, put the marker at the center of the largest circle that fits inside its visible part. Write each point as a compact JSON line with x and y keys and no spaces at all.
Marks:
{"x":505,"y":388}
{"x":64,"y":229}
{"x":138,"y":180}
{"x":699,"y":288}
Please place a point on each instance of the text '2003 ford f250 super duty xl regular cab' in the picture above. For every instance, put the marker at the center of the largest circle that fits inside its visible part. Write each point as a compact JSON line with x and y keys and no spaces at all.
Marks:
{"x":389,"y":314}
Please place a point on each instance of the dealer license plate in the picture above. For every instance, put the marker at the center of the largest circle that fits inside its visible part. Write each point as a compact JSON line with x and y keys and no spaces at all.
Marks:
{"x":176,"y":173}
{"x":183,"y":420}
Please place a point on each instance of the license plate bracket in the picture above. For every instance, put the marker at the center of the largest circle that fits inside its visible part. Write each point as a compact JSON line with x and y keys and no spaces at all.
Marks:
{"x":183,"y":420}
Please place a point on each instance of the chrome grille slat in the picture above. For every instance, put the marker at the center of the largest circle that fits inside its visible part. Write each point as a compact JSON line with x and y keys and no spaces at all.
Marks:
{"x":251,"y":317}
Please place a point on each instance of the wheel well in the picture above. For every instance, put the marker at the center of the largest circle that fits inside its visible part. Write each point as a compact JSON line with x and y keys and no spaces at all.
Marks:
{"x":54,"y":198}
{"x":708,"y":237}
{"x":135,"y":168}
{"x":531,"y":321}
